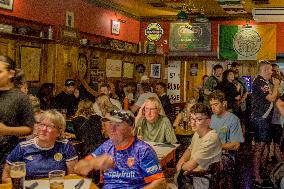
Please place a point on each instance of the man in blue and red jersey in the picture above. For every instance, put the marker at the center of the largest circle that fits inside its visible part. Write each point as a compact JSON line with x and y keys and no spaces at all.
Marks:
{"x":126,"y":161}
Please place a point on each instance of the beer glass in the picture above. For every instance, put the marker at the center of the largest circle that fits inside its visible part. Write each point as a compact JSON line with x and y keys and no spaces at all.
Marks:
{"x":17,"y":174}
{"x":139,"y":133}
{"x":56,"y":179}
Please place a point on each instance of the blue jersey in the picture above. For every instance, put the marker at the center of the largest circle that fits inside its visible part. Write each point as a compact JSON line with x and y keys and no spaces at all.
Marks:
{"x":136,"y":165}
{"x":39,"y":161}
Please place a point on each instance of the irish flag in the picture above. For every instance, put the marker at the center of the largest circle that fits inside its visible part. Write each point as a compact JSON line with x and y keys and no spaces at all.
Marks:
{"x":237,"y":42}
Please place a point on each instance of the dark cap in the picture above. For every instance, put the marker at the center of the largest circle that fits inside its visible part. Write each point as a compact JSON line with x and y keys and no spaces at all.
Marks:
{"x":69,"y":82}
{"x":120,"y":116}
{"x":48,"y":85}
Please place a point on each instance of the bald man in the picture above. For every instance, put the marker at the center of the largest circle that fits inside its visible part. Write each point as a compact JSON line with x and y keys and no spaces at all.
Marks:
{"x":263,"y":96}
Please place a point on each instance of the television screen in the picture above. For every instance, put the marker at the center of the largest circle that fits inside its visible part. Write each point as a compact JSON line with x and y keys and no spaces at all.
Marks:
{"x":249,"y":82}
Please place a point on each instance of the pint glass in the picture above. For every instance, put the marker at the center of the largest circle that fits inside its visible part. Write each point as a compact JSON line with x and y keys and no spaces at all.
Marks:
{"x":17,"y":174}
{"x":56,"y":179}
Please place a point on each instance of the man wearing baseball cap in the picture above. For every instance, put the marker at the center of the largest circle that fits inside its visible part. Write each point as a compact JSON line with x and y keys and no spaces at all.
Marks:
{"x":67,"y":99}
{"x":126,"y":161}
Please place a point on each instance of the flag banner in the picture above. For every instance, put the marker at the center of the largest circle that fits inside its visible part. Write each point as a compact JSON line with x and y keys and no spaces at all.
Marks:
{"x":237,"y":42}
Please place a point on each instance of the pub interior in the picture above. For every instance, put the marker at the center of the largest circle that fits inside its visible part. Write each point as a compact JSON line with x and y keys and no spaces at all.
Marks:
{"x":141,"y":94}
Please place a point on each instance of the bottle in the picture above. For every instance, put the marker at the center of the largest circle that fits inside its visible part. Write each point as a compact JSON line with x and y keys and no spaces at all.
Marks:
{"x":126,"y":103}
{"x":139,"y":133}
{"x":50,"y":32}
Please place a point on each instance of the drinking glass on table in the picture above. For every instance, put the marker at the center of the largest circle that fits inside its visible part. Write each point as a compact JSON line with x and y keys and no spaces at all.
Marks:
{"x":56,"y":179}
{"x":17,"y":174}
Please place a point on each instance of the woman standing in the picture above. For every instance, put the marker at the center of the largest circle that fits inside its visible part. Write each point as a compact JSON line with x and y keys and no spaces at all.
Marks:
{"x":16,"y":114}
{"x":231,"y":91}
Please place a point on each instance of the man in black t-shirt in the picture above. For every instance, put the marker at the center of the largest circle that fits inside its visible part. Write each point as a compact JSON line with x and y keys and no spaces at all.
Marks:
{"x":263,"y":97}
{"x":67,"y":99}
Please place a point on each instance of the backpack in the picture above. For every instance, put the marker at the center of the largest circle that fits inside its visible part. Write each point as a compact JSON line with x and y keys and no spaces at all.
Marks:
{"x":277,"y":173}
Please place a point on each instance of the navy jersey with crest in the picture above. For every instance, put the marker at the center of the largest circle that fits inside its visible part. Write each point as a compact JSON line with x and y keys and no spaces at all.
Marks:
{"x":39,"y":161}
{"x":260,"y":89}
{"x":136,"y":165}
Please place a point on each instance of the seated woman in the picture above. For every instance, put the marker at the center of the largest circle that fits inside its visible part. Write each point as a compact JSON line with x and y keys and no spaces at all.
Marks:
{"x":185,"y":116}
{"x":88,"y":127}
{"x":46,"y":151}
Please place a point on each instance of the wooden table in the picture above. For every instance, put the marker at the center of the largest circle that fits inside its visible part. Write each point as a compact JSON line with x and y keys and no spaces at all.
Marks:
{"x":72,"y":176}
{"x":165,"y":154}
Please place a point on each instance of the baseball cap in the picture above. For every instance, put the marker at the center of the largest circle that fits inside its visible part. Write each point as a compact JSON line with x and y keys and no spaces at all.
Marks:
{"x":120,"y":116}
{"x":69,"y":82}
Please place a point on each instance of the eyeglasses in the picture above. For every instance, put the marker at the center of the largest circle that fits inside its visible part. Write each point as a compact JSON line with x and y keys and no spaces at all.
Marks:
{"x":42,"y":125}
{"x":150,"y":109}
{"x":197,"y":120}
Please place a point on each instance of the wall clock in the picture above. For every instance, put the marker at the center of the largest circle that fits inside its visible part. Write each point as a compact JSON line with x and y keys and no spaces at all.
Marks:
{"x":82,"y":65}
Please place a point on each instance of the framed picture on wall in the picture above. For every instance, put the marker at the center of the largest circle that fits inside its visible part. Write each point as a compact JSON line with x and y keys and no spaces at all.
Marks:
{"x":155,"y":71}
{"x":69,"y":20}
{"x":6,"y":4}
{"x":115,"y":27}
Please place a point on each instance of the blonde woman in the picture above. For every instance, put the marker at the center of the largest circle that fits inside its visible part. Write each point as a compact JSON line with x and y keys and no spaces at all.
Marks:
{"x":184,"y":115}
{"x":88,"y":127}
{"x":105,"y":105}
{"x":45,"y":152}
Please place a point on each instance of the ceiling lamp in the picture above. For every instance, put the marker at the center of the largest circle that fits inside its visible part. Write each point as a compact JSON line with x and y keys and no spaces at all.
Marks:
{"x":182,"y":16}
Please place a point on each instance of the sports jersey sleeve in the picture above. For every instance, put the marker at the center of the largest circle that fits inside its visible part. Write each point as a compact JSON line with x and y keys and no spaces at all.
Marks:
{"x":70,"y":152}
{"x":236,"y":134}
{"x":150,"y":166}
{"x":15,"y":155}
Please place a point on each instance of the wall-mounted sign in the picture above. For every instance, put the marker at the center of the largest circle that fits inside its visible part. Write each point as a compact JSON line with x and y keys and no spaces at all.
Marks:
{"x":190,"y":37}
{"x":174,"y":81}
{"x":154,"y":32}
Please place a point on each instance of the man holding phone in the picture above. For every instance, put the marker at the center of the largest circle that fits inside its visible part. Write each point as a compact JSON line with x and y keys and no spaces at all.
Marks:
{"x":154,"y":127}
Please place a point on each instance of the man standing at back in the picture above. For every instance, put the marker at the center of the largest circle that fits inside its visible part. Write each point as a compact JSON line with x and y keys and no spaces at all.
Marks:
{"x":213,"y":81}
{"x":161,"y":89}
{"x":262,"y":104}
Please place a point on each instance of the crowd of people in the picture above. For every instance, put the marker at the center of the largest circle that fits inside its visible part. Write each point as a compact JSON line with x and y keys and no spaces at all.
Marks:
{"x":32,"y":128}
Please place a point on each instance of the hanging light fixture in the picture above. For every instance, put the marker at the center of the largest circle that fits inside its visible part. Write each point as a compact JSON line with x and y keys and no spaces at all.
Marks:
{"x":182,"y":16}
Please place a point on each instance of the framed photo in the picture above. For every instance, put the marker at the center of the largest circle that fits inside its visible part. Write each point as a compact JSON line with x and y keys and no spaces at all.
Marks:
{"x":155,"y":71}
{"x":94,"y":63}
{"x":115,"y":27}
{"x":6,"y":4}
{"x":69,"y":20}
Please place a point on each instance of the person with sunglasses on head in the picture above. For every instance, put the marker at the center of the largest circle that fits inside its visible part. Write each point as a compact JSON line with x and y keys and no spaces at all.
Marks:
{"x":16,"y":112}
{"x":154,"y":126}
{"x":46,"y":151}
{"x":205,"y":148}
{"x":126,"y":162}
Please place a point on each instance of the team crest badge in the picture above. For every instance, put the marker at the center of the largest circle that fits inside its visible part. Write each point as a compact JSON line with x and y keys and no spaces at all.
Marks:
{"x":130,"y":162}
{"x":58,"y":157}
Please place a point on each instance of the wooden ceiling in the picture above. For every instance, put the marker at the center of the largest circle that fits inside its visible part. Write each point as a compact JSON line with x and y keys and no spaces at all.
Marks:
{"x":168,"y":9}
